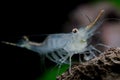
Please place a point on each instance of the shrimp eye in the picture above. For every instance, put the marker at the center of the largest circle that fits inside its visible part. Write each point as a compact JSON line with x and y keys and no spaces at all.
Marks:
{"x":75,"y":30}
{"x":82,"y":41}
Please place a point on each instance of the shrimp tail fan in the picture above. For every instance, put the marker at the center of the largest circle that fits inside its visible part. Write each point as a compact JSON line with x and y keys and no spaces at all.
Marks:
{"x":22,"y":44}
{"x":25,"y":44}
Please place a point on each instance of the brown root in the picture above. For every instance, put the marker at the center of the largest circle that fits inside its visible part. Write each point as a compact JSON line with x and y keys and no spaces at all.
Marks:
{"x":104,"y":67}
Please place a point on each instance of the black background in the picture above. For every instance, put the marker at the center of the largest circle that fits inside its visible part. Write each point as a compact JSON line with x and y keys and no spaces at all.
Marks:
{"x":29,"y":18}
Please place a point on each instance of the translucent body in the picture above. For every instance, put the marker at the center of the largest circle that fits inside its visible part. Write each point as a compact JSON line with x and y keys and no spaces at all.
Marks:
{"x":61,"y":47}
{"x":70,"y":42}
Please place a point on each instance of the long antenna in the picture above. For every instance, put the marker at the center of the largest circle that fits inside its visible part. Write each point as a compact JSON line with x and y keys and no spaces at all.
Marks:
{"x":91,"y":24}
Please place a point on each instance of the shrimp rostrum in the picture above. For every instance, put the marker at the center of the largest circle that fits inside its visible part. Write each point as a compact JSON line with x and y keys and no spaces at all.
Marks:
{"x":61,"y":47}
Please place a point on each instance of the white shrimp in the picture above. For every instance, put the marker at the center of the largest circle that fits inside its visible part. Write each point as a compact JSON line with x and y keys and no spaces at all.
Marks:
{"x":61,"y":47}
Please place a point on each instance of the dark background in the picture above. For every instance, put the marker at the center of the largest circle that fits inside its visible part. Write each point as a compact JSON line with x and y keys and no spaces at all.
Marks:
{"x":29,"y":18}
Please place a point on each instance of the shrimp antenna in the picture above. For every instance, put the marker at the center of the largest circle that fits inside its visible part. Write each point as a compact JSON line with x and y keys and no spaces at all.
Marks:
{"x":91,"y":24}
{"x":88,"y":18}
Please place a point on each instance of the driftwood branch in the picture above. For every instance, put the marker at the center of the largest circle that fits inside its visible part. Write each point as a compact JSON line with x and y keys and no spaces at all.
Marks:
{"x":104,"y":67}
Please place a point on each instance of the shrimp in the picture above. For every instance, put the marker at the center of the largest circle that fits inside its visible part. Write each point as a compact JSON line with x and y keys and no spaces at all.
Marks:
{"x":60,"y":48}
